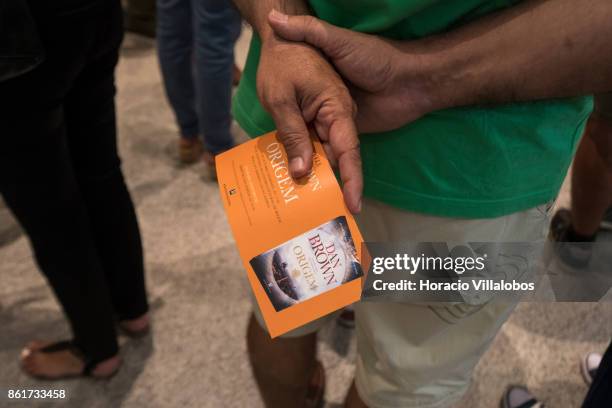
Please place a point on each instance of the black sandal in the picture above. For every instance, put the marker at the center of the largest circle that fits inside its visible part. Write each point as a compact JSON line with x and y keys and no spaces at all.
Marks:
{"x":68,"y":345}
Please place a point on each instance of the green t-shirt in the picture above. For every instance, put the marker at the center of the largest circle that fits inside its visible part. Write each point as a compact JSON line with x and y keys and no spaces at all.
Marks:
{"x":470,"y":162}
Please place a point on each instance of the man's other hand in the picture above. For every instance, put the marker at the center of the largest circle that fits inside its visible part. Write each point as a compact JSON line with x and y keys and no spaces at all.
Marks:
{"x":299,"y":88}
{"x":386,"y":83}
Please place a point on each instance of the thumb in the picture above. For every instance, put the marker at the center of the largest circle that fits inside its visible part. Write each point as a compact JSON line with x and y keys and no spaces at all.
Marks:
{"x":293,"y":134}
{"x":330,"y":39}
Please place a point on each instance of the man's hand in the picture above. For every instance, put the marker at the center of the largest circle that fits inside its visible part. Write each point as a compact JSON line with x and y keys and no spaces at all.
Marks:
{"x":386,"y":97}
{"x":299,"y":88}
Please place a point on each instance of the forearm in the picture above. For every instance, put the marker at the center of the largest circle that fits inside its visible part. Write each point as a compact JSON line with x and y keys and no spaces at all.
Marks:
{"x":536,"y":50}
{"x":256,"y":13}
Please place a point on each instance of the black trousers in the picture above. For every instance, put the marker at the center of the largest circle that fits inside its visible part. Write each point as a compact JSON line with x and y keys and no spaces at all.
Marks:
{"x":600,"y":392}
{"x":60,"y":172}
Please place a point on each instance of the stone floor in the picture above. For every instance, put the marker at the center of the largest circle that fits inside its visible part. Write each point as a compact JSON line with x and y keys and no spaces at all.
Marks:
{"x":196,"y":356}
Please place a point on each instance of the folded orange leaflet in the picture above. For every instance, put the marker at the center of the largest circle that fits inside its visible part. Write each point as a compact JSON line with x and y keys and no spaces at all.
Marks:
{"x":298,"y":242}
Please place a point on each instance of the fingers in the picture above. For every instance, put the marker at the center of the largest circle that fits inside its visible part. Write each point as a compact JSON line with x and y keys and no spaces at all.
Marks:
{"x":330,"y":39}
{"x":293,"y":134}
{"x":345,"y":147}
{"x":330,"y":155}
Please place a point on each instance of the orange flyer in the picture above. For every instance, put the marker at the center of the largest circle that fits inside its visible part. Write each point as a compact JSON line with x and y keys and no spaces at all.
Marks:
{"x":298,"y":242}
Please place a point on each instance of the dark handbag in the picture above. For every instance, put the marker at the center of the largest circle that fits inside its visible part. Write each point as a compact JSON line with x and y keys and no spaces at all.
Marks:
{"x":20,"y":46}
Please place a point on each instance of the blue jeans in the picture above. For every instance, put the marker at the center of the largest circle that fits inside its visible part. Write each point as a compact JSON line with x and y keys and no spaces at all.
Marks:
{"x":196,"y":53}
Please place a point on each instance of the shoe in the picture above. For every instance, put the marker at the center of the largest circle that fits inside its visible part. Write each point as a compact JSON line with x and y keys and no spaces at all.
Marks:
{"x":574,"y":254}
{"x":347,"y":318}
{"x":606,"y":222}
{"x":209,"y":160}
{"x":517,"y":396}
{"x":189,"y":150}
{"x":589,"y":365}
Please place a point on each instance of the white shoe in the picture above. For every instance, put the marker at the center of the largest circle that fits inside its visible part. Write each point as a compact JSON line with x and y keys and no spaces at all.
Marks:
{"x":589,"y":365}
{"x":517,"y":396}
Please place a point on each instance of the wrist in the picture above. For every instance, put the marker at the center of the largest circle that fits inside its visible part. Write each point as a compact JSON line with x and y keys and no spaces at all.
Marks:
{"x":266,"y":34}
{"x":432,"y":71}
{"x":420,"y":80}
{"x":262,"y":26}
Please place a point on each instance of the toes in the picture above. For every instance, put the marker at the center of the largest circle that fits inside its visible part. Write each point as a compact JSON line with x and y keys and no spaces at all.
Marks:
{"x":36,"y":345}
{"x":50,"y":365}
{"x":29,"y":363}
{"x":27,"y":353}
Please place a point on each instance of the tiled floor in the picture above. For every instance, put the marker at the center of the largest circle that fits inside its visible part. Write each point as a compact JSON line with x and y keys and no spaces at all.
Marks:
{"x":196,"y":356}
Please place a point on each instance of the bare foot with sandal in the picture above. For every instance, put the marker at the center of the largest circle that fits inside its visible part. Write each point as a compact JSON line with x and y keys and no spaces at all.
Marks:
{"x":54,"y":361}
{"x":60,"y":360}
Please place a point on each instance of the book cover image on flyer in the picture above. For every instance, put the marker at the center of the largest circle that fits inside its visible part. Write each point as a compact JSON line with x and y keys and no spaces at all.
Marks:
{"x":298,"y":242}
{"x":305,"y":266}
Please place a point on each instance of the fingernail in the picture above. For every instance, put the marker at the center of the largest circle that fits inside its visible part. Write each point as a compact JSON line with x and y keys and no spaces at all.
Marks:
{"x":296,"y":164}
{"x":278,"y":16}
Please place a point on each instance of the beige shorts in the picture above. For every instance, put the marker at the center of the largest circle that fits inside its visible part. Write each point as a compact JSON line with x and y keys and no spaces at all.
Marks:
{"x":423,"y":355}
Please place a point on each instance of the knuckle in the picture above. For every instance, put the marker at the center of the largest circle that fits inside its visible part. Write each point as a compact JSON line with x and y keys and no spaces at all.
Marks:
{"x":353,"y":149}
{"x":291,"y":139}
{"x":277,"y":102}
{"x":309,"y":23}
{"x":341,"y":99}
{"x":344,"y":97}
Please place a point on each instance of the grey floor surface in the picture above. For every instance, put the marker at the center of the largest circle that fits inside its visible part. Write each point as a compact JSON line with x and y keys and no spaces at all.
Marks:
{"x":196,"y":356}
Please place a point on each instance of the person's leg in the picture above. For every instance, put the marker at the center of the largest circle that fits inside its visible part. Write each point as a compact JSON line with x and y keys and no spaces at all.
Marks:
{"x":175,"y":51}
{"x":216,"y":28}
{"x":591,"y":192}
{"x":39,"y":185}
{"x":282,"y":367}
{"x":591,"y":180}
{"x":297,"y":379}
{"x":405,"y":357}
{"x":91,"y":134}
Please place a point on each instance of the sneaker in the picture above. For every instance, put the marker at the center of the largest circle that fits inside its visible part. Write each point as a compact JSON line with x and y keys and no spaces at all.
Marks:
{"x":606,"y":222}
{"x":589,"y":365}
{"x":517,"y":396}
{"x":189,"y":150}
{"x":574,"y":254}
